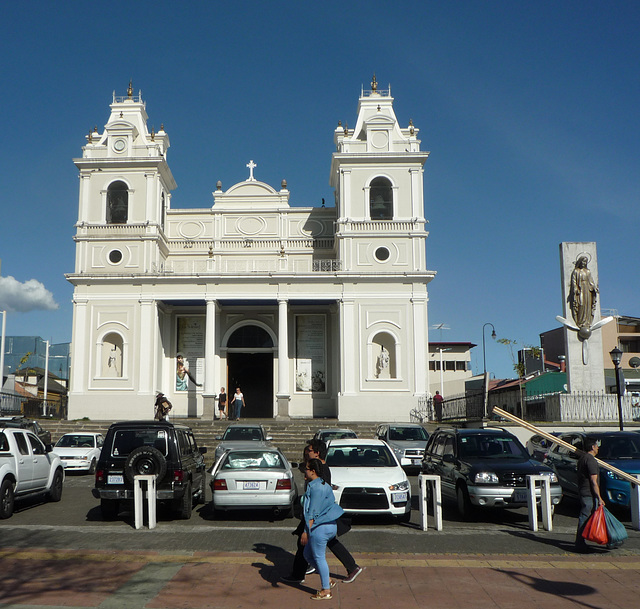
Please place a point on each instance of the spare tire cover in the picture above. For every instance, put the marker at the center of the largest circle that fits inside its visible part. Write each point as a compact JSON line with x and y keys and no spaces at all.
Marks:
{"x":145,"y":461}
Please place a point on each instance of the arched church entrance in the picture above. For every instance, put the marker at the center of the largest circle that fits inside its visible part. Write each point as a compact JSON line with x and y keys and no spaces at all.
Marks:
{"x":250,"y":367}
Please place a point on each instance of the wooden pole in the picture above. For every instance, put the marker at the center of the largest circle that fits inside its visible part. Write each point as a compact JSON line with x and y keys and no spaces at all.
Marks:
{"x":548,"y":436}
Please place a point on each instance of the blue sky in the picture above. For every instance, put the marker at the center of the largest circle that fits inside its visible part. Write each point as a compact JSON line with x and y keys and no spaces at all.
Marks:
{"x":530,"y":111}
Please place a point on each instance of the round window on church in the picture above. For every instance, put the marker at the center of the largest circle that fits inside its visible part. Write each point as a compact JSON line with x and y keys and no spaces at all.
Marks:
{"x":382,"y":254}
{"x":115,"y":256}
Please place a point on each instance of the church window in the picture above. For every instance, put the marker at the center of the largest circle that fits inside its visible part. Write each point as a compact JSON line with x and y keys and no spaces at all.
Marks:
{"x":117,"y":203}
{"x":382,"y":254}
{"x":115,"y":256}
{"x":250,"y":336}
{"x":380,"y":199}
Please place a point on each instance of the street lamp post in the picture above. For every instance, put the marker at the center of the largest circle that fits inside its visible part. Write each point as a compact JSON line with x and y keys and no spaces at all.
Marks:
{"x":616,"y":357}
{"x":485,"y":384}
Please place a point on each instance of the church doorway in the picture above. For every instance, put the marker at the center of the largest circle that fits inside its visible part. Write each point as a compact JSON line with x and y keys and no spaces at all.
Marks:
{"x":253,"y":373}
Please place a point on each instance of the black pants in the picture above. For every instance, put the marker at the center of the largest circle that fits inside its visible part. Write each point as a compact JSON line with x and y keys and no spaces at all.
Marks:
{"x":300,"y":564}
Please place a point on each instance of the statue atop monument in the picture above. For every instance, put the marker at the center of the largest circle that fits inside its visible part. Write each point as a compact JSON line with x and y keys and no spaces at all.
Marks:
{"x":583,"y":293}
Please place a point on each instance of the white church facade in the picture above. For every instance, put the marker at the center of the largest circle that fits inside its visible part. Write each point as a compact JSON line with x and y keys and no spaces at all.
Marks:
{"x":311,"y":311}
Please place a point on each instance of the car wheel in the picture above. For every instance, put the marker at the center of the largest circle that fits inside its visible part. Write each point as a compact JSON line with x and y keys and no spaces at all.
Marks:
{"x":6,"y":499}
{"x":92,"y":467}
{"x":109,"y":508}
{"x":145,"y":460}
{"x":55,"y":493}
{"x":200,"y":498}
{"x":185,"y":503}
{"x":465,"y":509}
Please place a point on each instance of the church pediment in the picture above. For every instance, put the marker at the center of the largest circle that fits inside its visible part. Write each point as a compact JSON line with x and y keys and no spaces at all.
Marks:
{"x":251,"y":188}
{"x":251,"y":194}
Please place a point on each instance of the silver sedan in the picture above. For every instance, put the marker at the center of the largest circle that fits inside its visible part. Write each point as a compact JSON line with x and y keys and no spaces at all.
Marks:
{"x":253,"y":478}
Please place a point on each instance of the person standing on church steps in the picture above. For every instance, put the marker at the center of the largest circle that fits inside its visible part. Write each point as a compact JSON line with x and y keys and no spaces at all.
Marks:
{"x":236,"y":404}
{"x":222,"y":404}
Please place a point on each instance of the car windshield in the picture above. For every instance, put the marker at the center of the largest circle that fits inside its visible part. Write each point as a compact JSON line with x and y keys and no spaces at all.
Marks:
{"x":337,"y":435}
{"x":243,"y":434}
{"x":253,"y":460}
{"x":76,"y":441}
{"x":619,"y":448}
{"x":126,"y":440}
{"x":360,"y":455}
{"x":487,"y":446}
{"x":407,"y":434}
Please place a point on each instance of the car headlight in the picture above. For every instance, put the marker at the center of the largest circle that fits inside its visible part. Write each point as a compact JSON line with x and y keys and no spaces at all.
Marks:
{"x":400,"y":486}
{"x":486,"y":478}
{"x":553,"y":478}
{"x":613,"y":476}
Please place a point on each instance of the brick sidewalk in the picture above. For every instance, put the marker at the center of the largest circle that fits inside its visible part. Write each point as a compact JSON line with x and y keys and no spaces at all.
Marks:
{"x":217,"y":580}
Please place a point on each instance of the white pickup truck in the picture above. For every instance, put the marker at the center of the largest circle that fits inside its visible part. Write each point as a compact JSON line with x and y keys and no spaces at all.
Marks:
{"x":26,"y":468}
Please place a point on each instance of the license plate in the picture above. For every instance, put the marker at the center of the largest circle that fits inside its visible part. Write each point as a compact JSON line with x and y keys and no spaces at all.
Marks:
{"x":398,"y":497}
{"x":520,"y":495}
{"x":416,"y":461}
{"x":251,"y":486}
{"x":115,"y":479}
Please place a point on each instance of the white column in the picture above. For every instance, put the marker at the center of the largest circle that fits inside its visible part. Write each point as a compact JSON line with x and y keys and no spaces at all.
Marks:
{"x":348,"y":357}
{"x":79,"y":356}
{"x":147,"y":345}
{"x":420,"y":345}
{"x":283,"y":349}
{"x":210,"y":349}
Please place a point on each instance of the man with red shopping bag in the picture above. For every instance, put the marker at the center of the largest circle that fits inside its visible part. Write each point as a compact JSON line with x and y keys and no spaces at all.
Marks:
{"x":588,"y":489}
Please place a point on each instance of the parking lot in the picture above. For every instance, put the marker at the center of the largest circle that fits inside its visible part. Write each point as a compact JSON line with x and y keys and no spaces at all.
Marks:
{"x":77,"y":522}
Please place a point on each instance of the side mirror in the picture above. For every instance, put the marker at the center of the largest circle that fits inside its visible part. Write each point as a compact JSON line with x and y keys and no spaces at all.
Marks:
{"x":269,"y":438}
{"x":48,"y":447}
{"x":218,"y":438}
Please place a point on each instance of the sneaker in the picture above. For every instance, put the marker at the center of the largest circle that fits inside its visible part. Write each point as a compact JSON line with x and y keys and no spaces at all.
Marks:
{"x":352,"y":576}
{"x":310,"y":570}
{"x":292,"y":580}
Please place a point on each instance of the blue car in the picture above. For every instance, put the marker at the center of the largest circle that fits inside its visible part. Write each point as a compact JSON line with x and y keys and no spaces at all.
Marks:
{"x":618,"y":448}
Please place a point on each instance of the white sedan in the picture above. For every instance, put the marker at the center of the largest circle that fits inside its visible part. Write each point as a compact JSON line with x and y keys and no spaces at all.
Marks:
{"x":79,"y":451}
{"x":367,"y":478}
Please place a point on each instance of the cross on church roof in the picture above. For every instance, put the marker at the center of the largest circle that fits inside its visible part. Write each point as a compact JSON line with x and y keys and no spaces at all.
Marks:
{"x":251,"y":165}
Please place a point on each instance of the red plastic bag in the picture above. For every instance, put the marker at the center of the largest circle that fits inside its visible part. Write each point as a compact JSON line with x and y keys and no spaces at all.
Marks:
{"x":596,"y":528}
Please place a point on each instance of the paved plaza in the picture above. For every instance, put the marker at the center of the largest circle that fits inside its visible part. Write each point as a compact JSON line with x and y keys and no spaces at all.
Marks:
{"x":238,"y":580}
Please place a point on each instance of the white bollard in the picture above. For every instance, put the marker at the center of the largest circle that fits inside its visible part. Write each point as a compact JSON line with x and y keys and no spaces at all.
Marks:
{"x":545,"y":502}
{"x":436,"y":495}
{"x":138,"y":500}
{"x":635,"y":505}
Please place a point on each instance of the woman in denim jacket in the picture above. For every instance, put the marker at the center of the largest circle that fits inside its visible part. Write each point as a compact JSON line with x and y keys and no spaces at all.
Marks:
{"x":320,"y":514}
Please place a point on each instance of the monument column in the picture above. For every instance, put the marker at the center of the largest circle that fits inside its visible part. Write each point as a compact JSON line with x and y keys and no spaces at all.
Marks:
{"x":582,"y":321}
{"x":210,"y":376}
{"x":283,"y":393}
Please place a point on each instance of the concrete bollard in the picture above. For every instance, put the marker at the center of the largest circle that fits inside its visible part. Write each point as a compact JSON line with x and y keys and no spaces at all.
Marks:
{"x":436,"y":496}
{"x":138,"y":500}
{"x":545,"y":502}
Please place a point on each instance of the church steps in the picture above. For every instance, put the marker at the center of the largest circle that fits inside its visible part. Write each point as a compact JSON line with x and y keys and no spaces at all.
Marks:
{"x":290,"y":435}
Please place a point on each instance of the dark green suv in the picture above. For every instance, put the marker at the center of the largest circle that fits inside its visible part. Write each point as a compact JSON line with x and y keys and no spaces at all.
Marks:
{"x":155,"y":448}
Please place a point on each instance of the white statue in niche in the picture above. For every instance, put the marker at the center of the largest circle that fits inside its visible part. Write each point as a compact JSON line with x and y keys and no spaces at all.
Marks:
{"x":382,"y":363}
{"x":114,"y":361}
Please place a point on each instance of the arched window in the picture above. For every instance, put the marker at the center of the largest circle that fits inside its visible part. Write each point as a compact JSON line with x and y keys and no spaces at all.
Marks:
{"x":380,"y":199}
{"x":250,"y":336}
{"x":117,"y":203}
{"x":112,"y":345}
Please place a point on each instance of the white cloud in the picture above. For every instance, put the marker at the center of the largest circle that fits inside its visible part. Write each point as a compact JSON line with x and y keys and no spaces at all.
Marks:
{"x":16,"y":297}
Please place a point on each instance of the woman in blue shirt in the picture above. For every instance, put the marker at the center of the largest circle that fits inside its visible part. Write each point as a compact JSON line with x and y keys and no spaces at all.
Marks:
{"x":320,"y":514}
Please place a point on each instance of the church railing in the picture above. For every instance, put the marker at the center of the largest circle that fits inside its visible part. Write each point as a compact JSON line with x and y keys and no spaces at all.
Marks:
{"x":381,"y":225}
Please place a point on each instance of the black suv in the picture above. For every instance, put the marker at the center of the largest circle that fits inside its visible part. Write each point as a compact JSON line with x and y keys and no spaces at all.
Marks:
{"x":155,"y":448}
{"x":483,"y":468}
